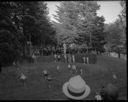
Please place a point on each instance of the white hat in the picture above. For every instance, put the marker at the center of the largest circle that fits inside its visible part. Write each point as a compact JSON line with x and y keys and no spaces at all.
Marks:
{"x":76,"y":88}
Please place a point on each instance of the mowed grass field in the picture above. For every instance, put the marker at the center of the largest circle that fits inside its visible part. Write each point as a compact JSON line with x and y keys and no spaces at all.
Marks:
{"x":36,"y":88}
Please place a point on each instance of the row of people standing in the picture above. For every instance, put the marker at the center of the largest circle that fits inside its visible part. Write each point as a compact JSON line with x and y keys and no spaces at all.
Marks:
{"x":58,"y":50}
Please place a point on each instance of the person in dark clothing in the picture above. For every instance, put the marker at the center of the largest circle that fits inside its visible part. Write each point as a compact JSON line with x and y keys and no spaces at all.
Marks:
{"x":109,"y":92}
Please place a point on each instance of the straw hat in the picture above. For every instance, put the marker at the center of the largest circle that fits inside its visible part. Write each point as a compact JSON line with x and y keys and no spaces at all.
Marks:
{"x":76,"y":88}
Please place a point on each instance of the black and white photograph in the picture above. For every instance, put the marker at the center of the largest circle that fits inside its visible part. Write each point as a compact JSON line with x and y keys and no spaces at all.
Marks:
{"x":63,"y":50}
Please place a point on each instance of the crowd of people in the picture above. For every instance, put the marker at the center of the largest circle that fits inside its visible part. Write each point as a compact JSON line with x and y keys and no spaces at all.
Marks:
{"x":76,"y":88}
{"x":59,"y":50}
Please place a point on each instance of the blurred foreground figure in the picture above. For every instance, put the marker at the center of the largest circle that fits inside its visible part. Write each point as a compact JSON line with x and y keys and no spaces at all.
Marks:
{"x":109,"y":92}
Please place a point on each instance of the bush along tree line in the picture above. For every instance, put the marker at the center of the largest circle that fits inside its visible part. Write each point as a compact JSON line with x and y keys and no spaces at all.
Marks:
{"x":23,"y":24}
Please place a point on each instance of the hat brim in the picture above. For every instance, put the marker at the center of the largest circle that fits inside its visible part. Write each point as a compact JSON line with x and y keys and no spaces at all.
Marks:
{"x":65,"y":91}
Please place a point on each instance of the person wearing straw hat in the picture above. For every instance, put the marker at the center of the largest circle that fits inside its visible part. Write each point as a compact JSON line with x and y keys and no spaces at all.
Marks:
{"x":76,"y":88}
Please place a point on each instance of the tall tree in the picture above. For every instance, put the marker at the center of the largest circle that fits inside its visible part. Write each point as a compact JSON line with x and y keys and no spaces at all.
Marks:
{"x":34,"y":24}
{"x":122,"y":17}
{"x":67,"y":16}
{"x":21,"y":22}
{"x":98,"y":35}
{"x":79,"y":23}
{"x":9,"y":39}
{"x":114,"y":36}
{"x":42,"y":28}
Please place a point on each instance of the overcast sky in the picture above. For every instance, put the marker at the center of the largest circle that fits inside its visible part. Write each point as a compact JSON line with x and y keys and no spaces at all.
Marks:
{"x":109,"y":9}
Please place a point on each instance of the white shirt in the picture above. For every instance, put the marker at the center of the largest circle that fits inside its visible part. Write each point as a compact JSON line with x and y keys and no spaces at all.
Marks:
{"x":98,"y":97}
{"x":23,"y":76}
{"x":45,"y":72}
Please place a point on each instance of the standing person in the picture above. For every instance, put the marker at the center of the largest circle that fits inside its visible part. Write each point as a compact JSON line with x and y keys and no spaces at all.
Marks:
{"x":65,"y":48}
{"x":34,"y":57}
{"x":72,"y":46}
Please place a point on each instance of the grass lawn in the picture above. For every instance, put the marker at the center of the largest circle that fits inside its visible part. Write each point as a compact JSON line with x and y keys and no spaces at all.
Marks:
{"x":36,"y":88}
